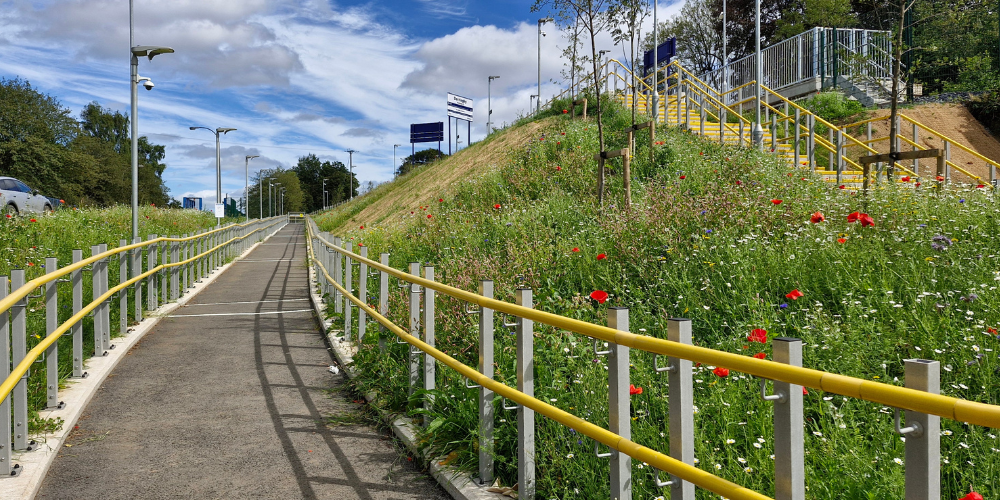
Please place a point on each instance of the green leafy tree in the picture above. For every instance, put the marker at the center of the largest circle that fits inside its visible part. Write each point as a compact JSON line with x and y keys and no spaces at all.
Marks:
{"x":419,"y":159}
{"x":312,"y":172}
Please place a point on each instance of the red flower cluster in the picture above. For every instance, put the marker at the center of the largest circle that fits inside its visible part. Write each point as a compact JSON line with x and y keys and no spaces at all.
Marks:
{"x":972,"y":496}
{"x":939,"y":178}
{"x":817,"y":218}
{"x":633,"y":390}
{"x":601,"y":256}
{"x":905,"y":178}
{"x":793,"y":295}
{"x":864,"y":219}
{"x":558,"y":169}
{"x":599,"y":295}
{"x":721,"y":372}
{"x":758,"y":335}
{"x":760,"y":355}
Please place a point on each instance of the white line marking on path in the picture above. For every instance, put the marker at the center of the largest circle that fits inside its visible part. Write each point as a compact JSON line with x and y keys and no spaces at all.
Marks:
{"x":247,"y":302}
{"x":238,"y":314}
{"x":271,"y":260}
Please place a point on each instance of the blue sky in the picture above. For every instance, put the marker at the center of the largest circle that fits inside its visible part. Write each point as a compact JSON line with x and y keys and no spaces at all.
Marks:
{"x":294,"y":77}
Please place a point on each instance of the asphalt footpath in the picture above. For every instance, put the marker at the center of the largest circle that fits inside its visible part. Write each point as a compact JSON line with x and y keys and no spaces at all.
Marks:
{"x":231,"y":397}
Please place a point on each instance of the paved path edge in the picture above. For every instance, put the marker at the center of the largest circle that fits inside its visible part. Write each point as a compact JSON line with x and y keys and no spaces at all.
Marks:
{"x":458,"y":484}
{"x":78,"y":393}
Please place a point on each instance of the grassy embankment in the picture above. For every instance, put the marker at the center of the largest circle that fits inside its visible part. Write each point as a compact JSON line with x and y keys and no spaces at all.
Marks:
{"x":25,"y":243}
{"x":720,"y":235}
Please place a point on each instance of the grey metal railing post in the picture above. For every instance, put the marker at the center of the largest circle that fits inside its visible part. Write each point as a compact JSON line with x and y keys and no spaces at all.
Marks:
{"x":923,"y":438}
{"x":76,"y":280}
{"x":95,"y":290}
{"x":51,"y":323}
{"x":993,"y":174}
{"x":175,"y":272}
{"x":362,"y":293}
{"x":414,"y":358}
{"x":136,"y":271}
{"x":7,"y":469}
{"x":916,"y":140}
{"x":789,"y":465}
{"x":840,"y":155}
{"x":619,"y":406}
{"x":105,"y":308}
{"x":526,"y":384}
{"x":681,"y":407}
{"x":774,"y":131}
{"x":345,"y":269}
{"x":19,"y":348}
{"x":430,"y":364}
{"x":486,"y":395}
{"x":123,"y":258}
{"x":338,"y":276}
{"x":151,"y":259}
{"x":947,"y":158}
{"x":348,"y":305}
{"x":164,"y":274}
{"x":202,"y":247}
{"x":186,"y":268}
{"x":798,"y":137}
{"x":811,"y":143}
{"x":383,"y":296}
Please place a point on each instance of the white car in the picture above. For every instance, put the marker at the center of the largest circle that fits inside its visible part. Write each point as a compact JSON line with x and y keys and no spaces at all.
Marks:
{"x":16,"y":197}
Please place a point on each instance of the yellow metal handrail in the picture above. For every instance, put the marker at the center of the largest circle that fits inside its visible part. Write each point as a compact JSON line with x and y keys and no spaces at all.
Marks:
{"x":960,"y":410}
{"x":45,"y":343}
{"x":650,"y":456}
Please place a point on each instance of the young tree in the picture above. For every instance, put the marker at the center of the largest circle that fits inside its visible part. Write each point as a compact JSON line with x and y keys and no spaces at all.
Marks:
{"x":571,"y":54}
{"x":593,"y":15}
{"x":629,"y":15}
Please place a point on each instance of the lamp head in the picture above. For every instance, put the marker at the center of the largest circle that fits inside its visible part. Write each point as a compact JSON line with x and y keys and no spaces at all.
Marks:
{"x":250,"y":157}
{"x":150,"y":51}
{"x":224,"y":130}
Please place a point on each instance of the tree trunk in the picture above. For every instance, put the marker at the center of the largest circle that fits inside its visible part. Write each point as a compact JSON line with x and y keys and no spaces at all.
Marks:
{"x":600,"y":118}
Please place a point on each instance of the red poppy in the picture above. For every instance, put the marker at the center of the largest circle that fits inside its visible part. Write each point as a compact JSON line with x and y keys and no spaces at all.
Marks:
{"x":541,"y":138}
{"x":721,"y":372}
{"x":917,"y":184}
{"x":599,"y":295}
{"x":558,"y":169}
{"x":840,"y":186}
{"x":841,"y":240}
{"x":440,"y":200}
{"x":558,"y":143}
{"x":31,"y":264}
{"x":760,"y":355}
{"x":576,"y":249}
{"x":9,"y":216}
{"x":497,"y":206}
{"x":62,"y":201}
{"x":702,"y":153}
{"x":758,"y":335}
{"x":817,"y":218}
{"x":683,"y":177}
{"x":428,"y":216}
{"x":564,"y":111}
{"x":853,"y":217}
{"x":633,"y":390}
{"x":33,"y":220}
{"x":562,"y":133}
{"x":739,"y":183}
{"x":805,"y":392}
{"x":905,"y":178}
{"x":776,"y":202}
{"x":991,"y":331}
{"x":793,"y":295}
{"x":362,"y":227}
{"x":601,"y":256}
{"x":866,"y":220}
{"x":939,"y":178}
{"x":981,"y":186}
{"x":972,"y":496}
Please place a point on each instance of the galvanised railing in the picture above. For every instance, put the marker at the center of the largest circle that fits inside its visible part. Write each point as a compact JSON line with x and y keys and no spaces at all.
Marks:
{"x":334,"y":262}
{"x":173,"y":265}
{"x":820,"y":53}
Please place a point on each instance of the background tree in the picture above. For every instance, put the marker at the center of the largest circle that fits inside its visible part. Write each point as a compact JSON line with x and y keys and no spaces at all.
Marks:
{"x":418,"y":159}
{"x":629,"y":15}
{"x":311,"y":172}
{"x":699,"y":45}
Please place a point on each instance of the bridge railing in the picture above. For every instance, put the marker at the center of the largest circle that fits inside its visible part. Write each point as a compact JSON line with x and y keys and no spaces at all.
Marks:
{"x":334,"y":261}
{"x":173,"y":265}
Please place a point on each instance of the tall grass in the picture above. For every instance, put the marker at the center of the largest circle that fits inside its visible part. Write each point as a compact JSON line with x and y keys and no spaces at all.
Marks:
{"x":719,"y":235}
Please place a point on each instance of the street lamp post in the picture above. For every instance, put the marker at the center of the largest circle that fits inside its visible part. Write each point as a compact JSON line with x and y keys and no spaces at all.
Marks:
{"x":394,"y":146}
{"x":540,"y":35}
{"x":758,"y":131}
{"x":350,"y":181}
{"x":531,"y":102}
{"x":218,"y":168}
{"x":656,"y":66}
{"x":324,"y":194}
{"x":149,"y":51}
{"x":270,"y":196}
{"x":282,"y":211}
{"x":246,"y":193}
{"x":489,"y":105}
{"x":260,"y":196}
{"x":600,"y":56}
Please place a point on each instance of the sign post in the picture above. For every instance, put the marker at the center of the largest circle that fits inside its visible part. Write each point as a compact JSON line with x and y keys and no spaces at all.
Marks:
{"x":426,"y":132}
{"x":459,"y":108}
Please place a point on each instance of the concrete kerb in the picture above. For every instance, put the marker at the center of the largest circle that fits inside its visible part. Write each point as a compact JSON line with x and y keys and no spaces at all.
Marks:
{"x":458,"y":484}
{"x":78,"y":393}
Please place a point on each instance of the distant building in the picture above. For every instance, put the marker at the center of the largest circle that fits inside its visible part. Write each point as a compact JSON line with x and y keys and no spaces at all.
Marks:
{"x":194,"y":203}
